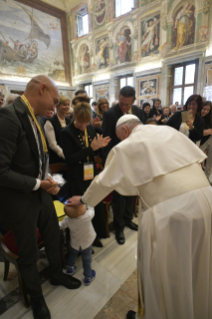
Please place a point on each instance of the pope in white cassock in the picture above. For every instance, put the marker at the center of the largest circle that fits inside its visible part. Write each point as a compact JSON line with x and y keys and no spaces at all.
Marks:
{"x":162,"y":167}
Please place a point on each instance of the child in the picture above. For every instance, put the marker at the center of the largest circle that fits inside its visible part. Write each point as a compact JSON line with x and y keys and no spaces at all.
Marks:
{"x":152,"y":121}
{"x":78,"y":220}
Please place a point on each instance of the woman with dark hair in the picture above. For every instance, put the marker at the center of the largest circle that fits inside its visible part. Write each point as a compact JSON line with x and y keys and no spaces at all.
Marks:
{"x":155,"y":111}
{"x":206,"y":141}
{"x":193,"y":125}
{"x":79,"y":143}
{"x":146,"y":111}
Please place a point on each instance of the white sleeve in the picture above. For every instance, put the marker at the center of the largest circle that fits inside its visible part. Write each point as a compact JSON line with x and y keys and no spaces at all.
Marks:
{"x":37,"y":185}
{"x":64,"y":223}
{"x":50,"y":136}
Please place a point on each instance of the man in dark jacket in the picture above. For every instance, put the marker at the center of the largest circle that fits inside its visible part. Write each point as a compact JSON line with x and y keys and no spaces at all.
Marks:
{"x":25,"y":202}
{"x":122,"y":205}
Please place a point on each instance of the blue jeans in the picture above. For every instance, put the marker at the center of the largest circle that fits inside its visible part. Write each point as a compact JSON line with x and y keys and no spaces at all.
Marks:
{"x":86,"y":259}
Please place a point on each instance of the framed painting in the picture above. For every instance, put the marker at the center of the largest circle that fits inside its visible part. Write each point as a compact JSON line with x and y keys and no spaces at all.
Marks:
{"x":102,"y":91}
{"x":33,"y":40}
{"x":148,"y":88}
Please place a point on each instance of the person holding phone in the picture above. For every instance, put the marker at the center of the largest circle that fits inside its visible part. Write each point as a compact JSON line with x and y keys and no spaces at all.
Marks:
{"x":189,"y":121}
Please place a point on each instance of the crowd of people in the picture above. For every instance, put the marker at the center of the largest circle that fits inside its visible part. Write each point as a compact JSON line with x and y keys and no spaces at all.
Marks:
{"x":49,"y":128}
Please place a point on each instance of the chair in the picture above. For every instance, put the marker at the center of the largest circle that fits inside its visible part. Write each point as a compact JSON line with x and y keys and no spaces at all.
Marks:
{"x":107,"y":200}
{"x":57,"y":167}
{"x":9,"y":251}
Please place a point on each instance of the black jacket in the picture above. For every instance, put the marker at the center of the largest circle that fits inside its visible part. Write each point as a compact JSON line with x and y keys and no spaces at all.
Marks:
{"x":19,"y":161}
{"x":196,"y":134}
{"x":53,"y":157}
{"x":110,"y":119}
{"x":155,"y":112}
{"x":76,"y":155}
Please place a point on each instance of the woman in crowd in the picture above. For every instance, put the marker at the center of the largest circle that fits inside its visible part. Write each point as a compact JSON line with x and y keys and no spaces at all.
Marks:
{"x":102,"y":106}
{"x":1,"y":99}
{"x":155,"y":111}
{"x":194,"y":125}
{"x":166,"y":112}
{"x":146,"y":110}
{"x":206,"y":141}
{"x":80,"y":144}
{"x":53,"y":127}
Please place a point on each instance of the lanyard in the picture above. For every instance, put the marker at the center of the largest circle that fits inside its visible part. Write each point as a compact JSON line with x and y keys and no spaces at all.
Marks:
{"x":24,"y":99}
{"x":129,"y":112}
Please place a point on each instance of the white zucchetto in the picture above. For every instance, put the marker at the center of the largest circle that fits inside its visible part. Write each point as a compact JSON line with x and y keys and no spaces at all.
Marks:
{"x":126,"y":118}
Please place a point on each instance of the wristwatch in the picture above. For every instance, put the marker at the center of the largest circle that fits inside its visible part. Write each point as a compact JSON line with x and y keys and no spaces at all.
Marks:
{"x":81,"y":201}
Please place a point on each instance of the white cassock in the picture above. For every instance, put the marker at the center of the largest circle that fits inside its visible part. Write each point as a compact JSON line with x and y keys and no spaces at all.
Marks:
{"x":161,"y":165}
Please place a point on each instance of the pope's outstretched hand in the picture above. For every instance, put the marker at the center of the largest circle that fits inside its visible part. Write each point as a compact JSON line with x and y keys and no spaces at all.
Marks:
{"x":74,"y":201}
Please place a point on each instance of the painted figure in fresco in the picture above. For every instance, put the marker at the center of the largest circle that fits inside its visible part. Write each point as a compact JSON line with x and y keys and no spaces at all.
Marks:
{"x":84,"y":60}
{"x":183,"y":25}
{"x":100,"y":11}
{"x":101,"y":59}
{"x":123,"y":47}
{"x":203,"y":33}
{"x":150,"y":38}
{"x":16,"y":44}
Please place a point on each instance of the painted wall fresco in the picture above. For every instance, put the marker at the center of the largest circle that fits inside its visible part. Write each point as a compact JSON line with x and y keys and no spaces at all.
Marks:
{"x":99,"y":12}
{"x":123,"y":46}
{"x":102,"y":91}
{"x":208,"y":82}
{"x":146,"y":2}
{"x":102,"y":52}
{"x":3,"y":91}
{"x":150,"y":35}
{"x":183,"y":30}
{"x":84,"y":59}
{"x":30,"y":42}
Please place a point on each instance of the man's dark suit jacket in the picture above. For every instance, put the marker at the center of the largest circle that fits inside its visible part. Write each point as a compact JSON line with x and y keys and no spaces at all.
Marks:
{"x":196,"y":134}
{"x":110,"y":119}
{"x":19,"y":161}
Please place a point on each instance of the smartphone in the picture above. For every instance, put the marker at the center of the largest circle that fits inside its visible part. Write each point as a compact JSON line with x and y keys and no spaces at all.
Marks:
{"x":185,"y":116}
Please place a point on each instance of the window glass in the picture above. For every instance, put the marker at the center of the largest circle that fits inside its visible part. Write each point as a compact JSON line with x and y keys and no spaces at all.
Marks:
{"x":177,"y":95}
{"x":178,"y":76}
{"x":189,"y":74}
{"x":123,"y":6}
{"x":130,"y":81}
{"x":188,"y":90}
{"x":122,"y":82}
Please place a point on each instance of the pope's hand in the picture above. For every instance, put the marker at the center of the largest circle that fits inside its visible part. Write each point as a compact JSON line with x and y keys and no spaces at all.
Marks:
{"x":74,"y":201}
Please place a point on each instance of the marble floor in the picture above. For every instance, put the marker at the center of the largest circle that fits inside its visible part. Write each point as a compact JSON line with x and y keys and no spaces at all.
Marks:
{"x":113,"y":263}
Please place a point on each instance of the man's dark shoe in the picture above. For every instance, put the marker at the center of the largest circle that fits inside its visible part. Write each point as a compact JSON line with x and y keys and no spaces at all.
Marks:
{"x":97,"y":243}
{"x":131,"y":225}
{"x":120,"y":237}
{"x":131,"y":315}
{"x":40,"y":309}
{"x":66,"y":281}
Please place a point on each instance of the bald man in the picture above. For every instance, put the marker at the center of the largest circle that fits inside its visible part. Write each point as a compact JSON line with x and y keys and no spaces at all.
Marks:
{"x":25,"y":188}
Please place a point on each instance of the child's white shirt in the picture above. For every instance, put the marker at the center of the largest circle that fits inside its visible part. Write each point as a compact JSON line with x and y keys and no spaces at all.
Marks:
{"x":81,"y":229}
